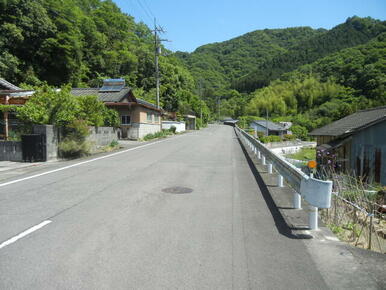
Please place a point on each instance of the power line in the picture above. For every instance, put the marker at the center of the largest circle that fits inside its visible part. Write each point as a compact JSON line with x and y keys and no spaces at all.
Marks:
{"x":144,"y":9}
{"x":148,"y":7}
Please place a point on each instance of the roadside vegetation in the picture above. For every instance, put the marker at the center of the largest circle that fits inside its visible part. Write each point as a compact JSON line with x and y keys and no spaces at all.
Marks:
{"x":80,"y":43}
{"x":72,"y":115}
{"x":305,"y":154}
{"x":162,"y":134}
{"x":114,"y":145}
{"x":357,"y":214}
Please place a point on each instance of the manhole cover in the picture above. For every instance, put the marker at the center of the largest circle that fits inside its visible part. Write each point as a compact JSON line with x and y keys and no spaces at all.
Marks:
{"x":177,"y":190}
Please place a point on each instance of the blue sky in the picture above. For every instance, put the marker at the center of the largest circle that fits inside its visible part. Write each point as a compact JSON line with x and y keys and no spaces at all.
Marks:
{"x":192,"y":23}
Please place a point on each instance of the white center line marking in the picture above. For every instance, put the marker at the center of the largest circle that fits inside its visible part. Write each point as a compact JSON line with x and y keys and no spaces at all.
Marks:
{"x":23,"y":234}
{"x":80,"y":163}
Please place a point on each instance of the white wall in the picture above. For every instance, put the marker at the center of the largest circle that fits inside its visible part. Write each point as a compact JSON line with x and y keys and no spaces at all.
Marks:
{"x":180,"y":126}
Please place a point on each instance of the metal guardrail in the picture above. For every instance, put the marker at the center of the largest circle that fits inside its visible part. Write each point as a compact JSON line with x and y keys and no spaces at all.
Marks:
{"x":316,"y":192}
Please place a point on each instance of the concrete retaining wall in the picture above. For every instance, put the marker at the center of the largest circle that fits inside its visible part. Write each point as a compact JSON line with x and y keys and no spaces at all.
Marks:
{"x":99,"y":137}
{"x":140,"y":130}
{"x":51,"y":133}
{"x":180,"y":126}
{"x":102,"y":136}
{"x":10,"y":151}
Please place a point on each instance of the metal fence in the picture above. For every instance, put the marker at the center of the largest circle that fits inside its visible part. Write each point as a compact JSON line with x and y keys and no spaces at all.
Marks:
{"x":315,"y":191}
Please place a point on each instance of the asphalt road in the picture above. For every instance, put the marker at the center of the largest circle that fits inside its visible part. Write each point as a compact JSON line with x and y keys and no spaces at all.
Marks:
{"x":113,"y":227}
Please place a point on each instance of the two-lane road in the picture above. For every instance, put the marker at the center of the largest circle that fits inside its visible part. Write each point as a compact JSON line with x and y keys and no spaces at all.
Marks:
{"x":114,"y":225}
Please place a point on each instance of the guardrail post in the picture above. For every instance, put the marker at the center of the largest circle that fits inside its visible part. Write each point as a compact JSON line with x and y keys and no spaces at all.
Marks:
{"x":297,"y":200}
{"x":313,"y":217}
{"x":258,"y":154}
{"x":280,"y":181}
{"x":263,"y":160}
{"x":269,"y":168}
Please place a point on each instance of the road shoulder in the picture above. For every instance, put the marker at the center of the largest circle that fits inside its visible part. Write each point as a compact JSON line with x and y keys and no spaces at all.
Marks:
{"x":341,"y":265}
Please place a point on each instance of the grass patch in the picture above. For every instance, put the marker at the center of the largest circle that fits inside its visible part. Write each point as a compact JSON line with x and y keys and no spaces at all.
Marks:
{"x":304,"y":154}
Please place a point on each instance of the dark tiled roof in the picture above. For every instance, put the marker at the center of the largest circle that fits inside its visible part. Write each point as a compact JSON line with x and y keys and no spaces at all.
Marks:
{"x":271,"y":125}
{"x":109,"y":96}
{"x":142,"y":102}
{"x":5,"y":85}
{"x":352,"y":123}
{"x":102,"y":96}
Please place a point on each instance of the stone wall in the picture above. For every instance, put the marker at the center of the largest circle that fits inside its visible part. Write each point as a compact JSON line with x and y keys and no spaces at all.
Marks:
{"x":10,"y":151}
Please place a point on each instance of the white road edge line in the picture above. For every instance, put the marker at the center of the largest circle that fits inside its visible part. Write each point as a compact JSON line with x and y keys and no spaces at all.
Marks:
{"x":80,"y":163}
{"x":23,"y":234}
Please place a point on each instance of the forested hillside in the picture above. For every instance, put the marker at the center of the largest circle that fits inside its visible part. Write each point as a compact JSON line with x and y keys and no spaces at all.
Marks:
{"x":354,"y":31}
{"x":254,"y":59}
{"x":324,"y":91}
{"x":83,"y":41}
{"x":217,"y":64}
{"x":308,"y":76}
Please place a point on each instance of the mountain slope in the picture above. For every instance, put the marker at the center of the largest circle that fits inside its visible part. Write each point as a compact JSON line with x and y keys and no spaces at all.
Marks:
{"x":328,"y":89}
{"x":362,"y":68}
{"x":80,"y":42}
{"x":217,"y":64}
{"x":354,"y":31}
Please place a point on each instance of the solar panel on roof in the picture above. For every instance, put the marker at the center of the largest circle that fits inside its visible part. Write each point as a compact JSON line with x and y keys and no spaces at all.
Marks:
{"x":112,"y":85}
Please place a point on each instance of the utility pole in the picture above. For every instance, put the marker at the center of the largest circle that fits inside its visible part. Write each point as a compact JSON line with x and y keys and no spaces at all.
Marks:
{"x":200,"y":92}
{"x":157,"y":51}
{"x":266,"y":121}
{"x":218,"y":102}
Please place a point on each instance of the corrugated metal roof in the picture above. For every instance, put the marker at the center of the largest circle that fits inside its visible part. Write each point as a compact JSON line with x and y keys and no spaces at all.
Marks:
{"x":5,"y":85}
{"x":271,"y":125}
{"x":352,"y":123}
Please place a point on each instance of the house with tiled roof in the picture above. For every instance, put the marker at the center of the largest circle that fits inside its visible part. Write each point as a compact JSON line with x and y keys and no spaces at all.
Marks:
{"x":358,"y":144}
{"x":269,"y":128}
{"x":138,"y":117}
{"x":11,"y":94}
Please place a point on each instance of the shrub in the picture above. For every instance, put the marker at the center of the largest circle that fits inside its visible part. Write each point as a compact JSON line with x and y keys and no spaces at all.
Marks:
{"x":269,"y":139}
{"x":250,"y":131}
{"x":300,"y":132}
{"x":114,"y":143}
{"x":74,"y":143}
{"x":71,"y":148}
{"x":60,"y":107}
{"x":260,"y":134}
{"x":289,"y":137}
{"x":161,"y":134}
{"x":173,"y":129}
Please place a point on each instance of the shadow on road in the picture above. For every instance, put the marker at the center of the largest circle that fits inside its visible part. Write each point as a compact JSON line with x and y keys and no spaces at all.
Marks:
{"x":280,"y":222}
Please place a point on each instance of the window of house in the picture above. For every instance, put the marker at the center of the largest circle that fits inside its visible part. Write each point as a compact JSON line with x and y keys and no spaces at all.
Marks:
{"x":125,"y":120}
{"x":149,"y":117}
{"x":156,"y":118}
